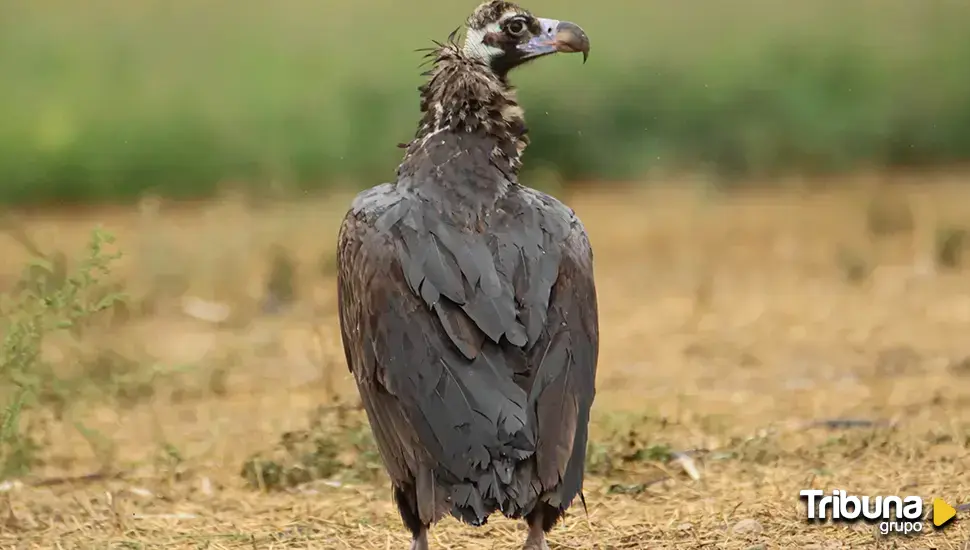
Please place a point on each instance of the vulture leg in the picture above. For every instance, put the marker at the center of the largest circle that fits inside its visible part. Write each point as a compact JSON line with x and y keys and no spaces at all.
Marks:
{"x":536,"y":539}
{"x":405,"y":499}
{"x":540,"y":521}
{"x":420,"y":540}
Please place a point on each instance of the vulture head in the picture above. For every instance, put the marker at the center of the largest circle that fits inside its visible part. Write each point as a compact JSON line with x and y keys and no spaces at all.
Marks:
{"x":467,"y":91}
{"x":504,"y":36}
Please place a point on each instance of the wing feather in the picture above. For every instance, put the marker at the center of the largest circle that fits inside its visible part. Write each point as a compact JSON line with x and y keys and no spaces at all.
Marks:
{"x":473,"y":421}
{"x":434,"y":388}
{"x":564,"y":386}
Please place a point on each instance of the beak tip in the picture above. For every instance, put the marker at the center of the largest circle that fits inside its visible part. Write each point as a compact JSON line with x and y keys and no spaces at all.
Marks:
{"x":571,"y":38}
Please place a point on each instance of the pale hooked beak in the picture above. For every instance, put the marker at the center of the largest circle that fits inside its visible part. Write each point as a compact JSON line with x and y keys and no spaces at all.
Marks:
{"x":557,"y":36}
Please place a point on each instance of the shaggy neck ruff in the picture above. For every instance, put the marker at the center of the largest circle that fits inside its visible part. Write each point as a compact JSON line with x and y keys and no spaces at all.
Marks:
{"x":464,"y":95}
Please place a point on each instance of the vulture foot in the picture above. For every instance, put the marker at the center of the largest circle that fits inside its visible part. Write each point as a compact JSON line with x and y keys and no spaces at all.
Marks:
{"x":537,"y":538}
{"x":420,"y":541}
{"x":536,"y":542}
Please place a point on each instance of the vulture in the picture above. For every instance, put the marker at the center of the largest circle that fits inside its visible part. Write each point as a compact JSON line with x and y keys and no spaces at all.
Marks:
{"x":467,"y":303}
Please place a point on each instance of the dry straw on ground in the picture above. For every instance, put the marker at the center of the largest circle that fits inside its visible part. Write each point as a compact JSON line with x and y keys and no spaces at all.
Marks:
{"x":731,"y":326}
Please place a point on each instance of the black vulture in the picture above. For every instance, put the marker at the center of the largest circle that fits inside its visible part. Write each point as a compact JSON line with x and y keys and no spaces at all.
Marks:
{"x":467,"y":302}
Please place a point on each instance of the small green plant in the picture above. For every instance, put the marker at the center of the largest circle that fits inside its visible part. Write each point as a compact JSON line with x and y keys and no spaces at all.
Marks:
{"x":49,"y":299}
{"x":337,"y":444}
{"x":624,"y":443}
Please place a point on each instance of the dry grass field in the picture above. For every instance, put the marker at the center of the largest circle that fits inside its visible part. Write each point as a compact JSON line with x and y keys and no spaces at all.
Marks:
{"x":736,"y":330}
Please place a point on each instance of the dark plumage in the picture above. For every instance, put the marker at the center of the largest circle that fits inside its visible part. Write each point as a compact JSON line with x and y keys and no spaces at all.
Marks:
{"x":467,"y":303}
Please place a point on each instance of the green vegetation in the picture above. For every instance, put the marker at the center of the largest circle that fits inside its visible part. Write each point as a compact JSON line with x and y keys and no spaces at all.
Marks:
{"x":337,"y":444}
{"x":107,"y":100}
{"x":49,"y":300}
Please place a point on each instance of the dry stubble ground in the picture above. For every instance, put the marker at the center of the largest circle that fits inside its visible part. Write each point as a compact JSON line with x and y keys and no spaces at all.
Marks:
{"x":728,"y":325}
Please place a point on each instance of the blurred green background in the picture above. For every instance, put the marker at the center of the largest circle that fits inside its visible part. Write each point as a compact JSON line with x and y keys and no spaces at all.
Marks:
{"x":108,"y":99}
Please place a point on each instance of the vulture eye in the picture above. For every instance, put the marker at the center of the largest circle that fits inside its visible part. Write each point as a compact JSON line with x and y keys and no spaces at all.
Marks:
{"x":515,"y":27}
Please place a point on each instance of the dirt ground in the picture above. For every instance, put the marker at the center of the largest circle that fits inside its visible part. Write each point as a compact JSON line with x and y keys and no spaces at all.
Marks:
{"x":736,"y":329}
